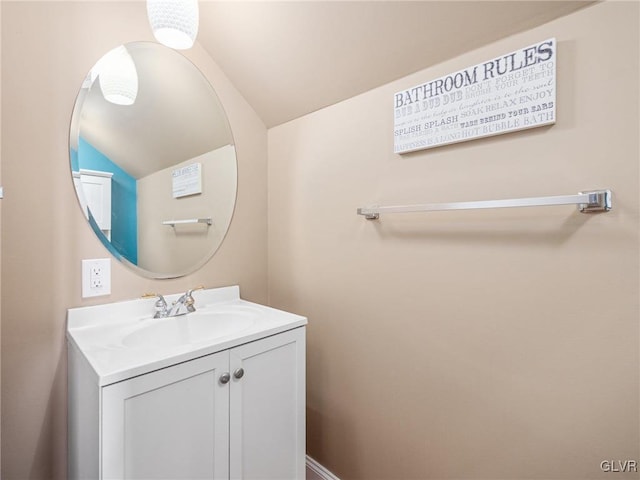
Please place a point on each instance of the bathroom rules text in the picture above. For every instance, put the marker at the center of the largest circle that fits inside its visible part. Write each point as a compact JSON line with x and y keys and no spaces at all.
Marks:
{"x":513,"y":92}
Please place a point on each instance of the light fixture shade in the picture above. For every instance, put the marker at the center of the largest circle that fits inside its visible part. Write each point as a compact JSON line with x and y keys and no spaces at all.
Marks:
{"x":174,"y":22}
{"x":118,"y":77}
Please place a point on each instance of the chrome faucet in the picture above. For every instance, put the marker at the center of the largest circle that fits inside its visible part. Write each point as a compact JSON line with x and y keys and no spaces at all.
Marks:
{"x":182,"y":306}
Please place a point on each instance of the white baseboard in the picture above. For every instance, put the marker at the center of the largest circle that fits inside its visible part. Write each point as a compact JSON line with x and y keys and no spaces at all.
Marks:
{"x":315,"y":471}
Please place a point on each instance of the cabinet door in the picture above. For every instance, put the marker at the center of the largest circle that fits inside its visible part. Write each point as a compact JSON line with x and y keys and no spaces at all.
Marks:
{"x":168,"y":424}
{"x":267,"y":408}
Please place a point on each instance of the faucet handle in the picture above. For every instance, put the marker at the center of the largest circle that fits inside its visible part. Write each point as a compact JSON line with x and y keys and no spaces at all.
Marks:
{"x":150,"y":295}
{"x":188,"y":299}
{"x":154,"y":295}
{"x":199,"y":287}
{"x":160,"y":305}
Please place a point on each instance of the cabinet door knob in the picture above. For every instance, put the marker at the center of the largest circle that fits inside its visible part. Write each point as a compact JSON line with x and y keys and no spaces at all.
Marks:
{"x":239,"y":373}
{"x":224,"y":378}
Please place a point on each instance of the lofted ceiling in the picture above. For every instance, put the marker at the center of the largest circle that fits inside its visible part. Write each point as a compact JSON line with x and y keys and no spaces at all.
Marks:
{"x":290,"y":58}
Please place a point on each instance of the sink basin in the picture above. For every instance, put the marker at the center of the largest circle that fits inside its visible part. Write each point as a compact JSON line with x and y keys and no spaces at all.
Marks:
{"x":191,"y":328}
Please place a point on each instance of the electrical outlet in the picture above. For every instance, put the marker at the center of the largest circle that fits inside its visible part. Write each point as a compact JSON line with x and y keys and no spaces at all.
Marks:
{"x":96,"y":277}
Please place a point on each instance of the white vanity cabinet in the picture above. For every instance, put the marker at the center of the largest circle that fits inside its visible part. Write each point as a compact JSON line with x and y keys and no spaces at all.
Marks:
{"x":236,"y":412}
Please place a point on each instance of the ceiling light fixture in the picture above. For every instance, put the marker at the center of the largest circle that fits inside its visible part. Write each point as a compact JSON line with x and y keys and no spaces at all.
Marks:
{"x":118,"y":77}
{"x":174,"y":22}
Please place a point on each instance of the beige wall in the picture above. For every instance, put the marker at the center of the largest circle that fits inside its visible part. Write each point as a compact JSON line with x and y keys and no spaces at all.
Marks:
{"x":490,"y":344}
{"x":47,"y":48}
{"x":183,"y":247}
{"x":0,"y":237}
{"x":498,"y":344}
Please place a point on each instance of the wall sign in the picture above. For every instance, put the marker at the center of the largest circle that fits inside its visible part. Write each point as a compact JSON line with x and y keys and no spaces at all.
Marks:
{"x":187,"y":180}
{"x":512,"y":92}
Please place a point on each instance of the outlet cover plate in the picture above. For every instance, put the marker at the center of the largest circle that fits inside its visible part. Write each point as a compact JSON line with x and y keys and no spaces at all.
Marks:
{"x":96,"y":277}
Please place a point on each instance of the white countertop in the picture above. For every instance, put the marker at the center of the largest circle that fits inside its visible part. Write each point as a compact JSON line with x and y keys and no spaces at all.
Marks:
{"x":100,"y":332}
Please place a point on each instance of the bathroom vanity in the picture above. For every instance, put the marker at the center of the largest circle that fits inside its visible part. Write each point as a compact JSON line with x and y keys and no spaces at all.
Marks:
{"x":218,"y":393}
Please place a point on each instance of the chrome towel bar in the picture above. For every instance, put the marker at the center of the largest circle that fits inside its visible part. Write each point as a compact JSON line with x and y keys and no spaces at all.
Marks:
{"x":587,"y":202}
{"x":173,"y":223}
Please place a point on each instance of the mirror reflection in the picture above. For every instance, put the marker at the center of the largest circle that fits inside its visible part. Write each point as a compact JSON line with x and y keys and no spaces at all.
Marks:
{"x":153,"y":160}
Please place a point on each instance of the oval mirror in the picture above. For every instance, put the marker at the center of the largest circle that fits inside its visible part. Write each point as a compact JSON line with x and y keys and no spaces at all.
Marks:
{"x":153,"y":160}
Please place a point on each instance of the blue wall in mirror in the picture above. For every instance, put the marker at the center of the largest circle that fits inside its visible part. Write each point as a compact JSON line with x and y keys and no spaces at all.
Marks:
{"x":124,"y":197}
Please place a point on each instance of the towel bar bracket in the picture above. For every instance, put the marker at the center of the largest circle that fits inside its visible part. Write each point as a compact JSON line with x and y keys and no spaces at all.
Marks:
{"x":599,"y":201}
